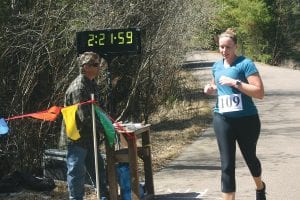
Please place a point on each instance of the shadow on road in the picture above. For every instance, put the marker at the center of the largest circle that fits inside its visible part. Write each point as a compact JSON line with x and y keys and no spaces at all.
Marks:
{"x":197,"y":167}
{"x":197,"y":65}
{"x":176,"y":196}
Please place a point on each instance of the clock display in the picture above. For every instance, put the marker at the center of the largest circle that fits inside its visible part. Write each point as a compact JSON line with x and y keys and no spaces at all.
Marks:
{"x":110,"y":41}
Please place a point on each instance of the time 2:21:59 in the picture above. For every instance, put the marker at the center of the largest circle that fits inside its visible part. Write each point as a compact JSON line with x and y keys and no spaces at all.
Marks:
{"x":119,"y":38}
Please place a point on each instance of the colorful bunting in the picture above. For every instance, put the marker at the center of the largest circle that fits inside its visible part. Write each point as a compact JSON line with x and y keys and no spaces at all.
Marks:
{"x":69,"y":114}
{"x":3,"y":127}
{"x":48,"y":115}
{"x":107,"y":125}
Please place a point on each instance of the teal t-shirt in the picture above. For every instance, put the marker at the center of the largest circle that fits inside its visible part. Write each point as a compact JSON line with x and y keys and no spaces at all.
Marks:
{"x":231,"y":102}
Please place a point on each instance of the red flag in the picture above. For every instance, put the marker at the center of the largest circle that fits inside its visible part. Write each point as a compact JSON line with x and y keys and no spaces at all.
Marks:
{"x":48,"y":115}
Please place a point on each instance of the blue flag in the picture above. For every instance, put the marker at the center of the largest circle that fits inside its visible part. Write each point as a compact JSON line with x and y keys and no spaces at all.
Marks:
{"x":3,"y":127}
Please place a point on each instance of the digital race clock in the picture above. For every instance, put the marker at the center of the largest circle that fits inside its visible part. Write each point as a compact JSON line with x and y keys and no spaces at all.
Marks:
{"x":110,"y":41}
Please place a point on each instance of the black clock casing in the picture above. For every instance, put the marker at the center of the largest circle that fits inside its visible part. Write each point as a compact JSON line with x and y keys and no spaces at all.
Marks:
{"x":110,"y":41}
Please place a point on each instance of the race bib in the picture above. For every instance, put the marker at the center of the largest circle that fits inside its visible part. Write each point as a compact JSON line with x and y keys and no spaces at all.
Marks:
{"x":230,"y":103}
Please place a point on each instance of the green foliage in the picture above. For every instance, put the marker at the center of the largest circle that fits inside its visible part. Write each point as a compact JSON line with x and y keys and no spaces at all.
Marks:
{"x":249,"y":18}
{"x":266,"y":29}
{"x":284,"y":31}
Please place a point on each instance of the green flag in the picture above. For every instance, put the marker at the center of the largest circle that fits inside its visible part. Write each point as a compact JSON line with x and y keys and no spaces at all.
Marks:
{"x":107,"y":125}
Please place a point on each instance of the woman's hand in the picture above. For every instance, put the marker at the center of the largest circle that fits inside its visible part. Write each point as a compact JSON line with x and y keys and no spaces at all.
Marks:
{"x":210,"y":89}
{"x":254,"y":87}
{"x":225,"y":80}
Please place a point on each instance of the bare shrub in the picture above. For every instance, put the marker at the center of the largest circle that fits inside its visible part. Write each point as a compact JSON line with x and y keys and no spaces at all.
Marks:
{"x":38,"y":61}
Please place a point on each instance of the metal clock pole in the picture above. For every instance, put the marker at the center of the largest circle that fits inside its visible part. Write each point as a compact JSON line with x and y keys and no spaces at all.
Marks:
{"x":111,"y":171}
{"x":109,"y":83}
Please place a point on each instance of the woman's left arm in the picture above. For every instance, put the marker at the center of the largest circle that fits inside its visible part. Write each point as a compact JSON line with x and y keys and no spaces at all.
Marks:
{"x":253,"y":88}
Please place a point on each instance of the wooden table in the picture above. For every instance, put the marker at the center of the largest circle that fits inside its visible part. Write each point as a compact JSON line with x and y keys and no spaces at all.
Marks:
{"x":130,"y":155}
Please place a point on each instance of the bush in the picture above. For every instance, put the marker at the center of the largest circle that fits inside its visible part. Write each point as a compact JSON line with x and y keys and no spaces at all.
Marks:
{"x":38,"y":61}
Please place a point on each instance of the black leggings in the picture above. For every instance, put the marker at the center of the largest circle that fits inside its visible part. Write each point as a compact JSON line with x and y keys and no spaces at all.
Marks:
{"x":244,"y":130}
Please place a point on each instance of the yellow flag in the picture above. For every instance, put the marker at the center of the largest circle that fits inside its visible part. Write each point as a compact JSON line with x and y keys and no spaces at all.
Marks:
{"x":69,"y":114}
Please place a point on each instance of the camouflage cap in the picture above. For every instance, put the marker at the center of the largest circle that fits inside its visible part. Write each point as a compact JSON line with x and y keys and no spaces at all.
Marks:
{"x":89,"y":58}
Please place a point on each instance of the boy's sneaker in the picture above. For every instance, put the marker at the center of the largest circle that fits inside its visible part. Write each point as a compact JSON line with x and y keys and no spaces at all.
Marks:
{"x":261,"y":194}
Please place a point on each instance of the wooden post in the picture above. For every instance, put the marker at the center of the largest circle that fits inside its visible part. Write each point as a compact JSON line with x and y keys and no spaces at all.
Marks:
{"x":133,"y":163}
{"x":146,"y":144}
{"x":111,"y":172}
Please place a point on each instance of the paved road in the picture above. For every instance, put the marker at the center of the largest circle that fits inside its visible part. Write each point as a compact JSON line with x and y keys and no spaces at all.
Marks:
{"x":195,"y":174}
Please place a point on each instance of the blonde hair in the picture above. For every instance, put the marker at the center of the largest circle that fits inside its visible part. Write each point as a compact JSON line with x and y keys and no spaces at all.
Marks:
{"x":230,"y":32}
